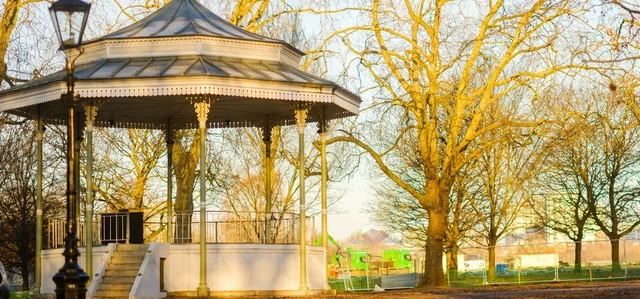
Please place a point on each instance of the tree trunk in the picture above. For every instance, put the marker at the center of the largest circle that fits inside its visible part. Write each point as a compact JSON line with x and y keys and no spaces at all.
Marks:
{"x":183,"y":209}
{"x":25,"y":271}
{"x":577,"y":265}
{"x":615,"y":256}
{"x":492,"y":262}
{"x":452,"y":262}
{"x":185,"y":164}
{"x":434,"y":275}
{"x":452,"y":258}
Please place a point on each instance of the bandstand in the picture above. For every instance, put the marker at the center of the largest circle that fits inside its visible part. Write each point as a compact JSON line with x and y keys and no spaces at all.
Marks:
{"x":184,"y":67}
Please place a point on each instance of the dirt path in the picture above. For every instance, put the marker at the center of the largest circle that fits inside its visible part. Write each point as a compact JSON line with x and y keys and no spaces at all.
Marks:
{"x":622,"y":290}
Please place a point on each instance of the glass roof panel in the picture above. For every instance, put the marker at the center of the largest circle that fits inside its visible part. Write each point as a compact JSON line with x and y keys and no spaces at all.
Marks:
{"x":291,"y":74}
{"x":179,"y":67}
{"x":271,"y":70}
{"x":108,"y":69}
{"x":246,"y":71}
{"x":230,"y":69}
{"x":131,"y":68}
{"x":155,"y":68}
{"x":213,"y":69}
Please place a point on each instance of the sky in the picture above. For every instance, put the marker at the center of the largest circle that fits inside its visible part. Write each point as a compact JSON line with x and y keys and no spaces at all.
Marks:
{"x":348,"y":215}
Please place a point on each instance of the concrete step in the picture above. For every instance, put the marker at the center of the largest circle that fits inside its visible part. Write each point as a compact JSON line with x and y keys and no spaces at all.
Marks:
{"x":115,"y":287}
{"x":114,"y":297}
{"x":102,"y":293}
{"x":124,"y":256}
{"x":132,"y":247}
{"x":121,"y":272}
{"x":138,"y":254}
{"x":124,"y":264}
{"x":118,"y":279}
{"x":119,"y":258}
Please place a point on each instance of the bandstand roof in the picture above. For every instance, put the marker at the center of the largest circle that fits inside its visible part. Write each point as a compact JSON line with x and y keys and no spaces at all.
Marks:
{"x":145,"y":75}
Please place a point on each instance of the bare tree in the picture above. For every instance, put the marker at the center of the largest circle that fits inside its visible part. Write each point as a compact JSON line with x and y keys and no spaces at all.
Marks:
{"x":247,"y":192}
{"x":436,"y":68}
{"x":13,"y":59}
{"x":571,"y":178}
{"x":126,"y":172}
{"x":503,"y":183}
{"x":18,"y":191}
{"x":617,"y":137}
{"x":400,"y":214}
{"x":125,"y":165}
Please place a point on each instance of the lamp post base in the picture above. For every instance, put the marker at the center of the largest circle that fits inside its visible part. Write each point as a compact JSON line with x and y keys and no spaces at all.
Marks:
{"x":71,"y":282}
{"x":203,"y":291}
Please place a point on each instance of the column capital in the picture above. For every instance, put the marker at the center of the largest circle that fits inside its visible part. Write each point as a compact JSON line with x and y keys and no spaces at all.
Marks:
{"x":202,"y":103}
{"x":301,"y":115}
{"x":323,"y":126}
{"x":301,"y":119}
{"x":202,"y":110}
{"x":91,"y":111}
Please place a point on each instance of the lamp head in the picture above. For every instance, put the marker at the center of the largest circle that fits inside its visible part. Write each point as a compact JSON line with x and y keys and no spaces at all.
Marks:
{"x":70,"y":19}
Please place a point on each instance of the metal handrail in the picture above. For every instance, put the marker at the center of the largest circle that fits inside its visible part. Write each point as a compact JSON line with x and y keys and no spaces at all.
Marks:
{"x":238,"y":227}
{"x":222,"y":227}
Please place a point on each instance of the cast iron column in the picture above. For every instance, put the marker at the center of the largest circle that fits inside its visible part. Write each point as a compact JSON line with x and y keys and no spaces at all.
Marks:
{"x":323,"y":161}
{"x":90,"y":112}
{"x":202,"y":109}
{"x":40,"y":133}
{"x":267,"y":169}
{"x":301,"y":118}
{"x":169,"y":134}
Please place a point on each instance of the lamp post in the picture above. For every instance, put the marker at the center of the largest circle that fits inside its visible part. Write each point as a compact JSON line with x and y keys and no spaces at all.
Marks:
{"x":70,"y":18}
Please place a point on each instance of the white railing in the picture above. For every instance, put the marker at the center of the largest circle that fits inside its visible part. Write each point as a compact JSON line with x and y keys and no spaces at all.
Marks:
{"x":56,"y":230}
{"x":238,"y":227}
{"x":221,"y":227}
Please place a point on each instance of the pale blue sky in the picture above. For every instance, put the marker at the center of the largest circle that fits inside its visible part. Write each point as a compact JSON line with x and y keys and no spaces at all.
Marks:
{"x":348,"y":215}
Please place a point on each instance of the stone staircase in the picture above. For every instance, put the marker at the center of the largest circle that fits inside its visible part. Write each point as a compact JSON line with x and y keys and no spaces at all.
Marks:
{"x":122,"y":271}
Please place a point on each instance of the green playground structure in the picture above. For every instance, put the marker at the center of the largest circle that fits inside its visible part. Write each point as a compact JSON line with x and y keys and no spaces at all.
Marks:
{"x":359,"y":260}
{"x":399,"y":258}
